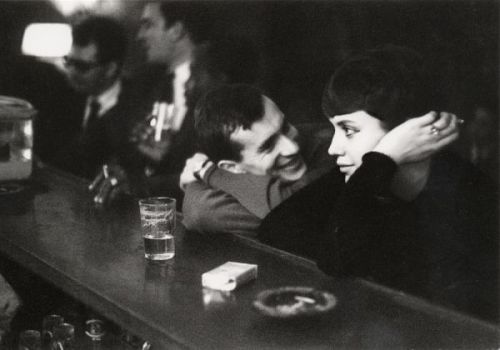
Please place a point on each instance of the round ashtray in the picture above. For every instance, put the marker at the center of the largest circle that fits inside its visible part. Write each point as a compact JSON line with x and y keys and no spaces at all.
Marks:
{"x":294,"y":302}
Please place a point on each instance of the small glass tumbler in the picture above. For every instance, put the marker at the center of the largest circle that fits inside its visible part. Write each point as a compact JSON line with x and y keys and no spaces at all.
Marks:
{"x":64,"y":337}
{"x":158,"y":226}
{"x":48,"y":324}
{"x":94,"y":328}
{"x":29,"y":340}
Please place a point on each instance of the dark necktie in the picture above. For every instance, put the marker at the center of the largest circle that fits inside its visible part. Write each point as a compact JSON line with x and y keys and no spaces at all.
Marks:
{"x":166,"y":88}
{"x":94,"y":108}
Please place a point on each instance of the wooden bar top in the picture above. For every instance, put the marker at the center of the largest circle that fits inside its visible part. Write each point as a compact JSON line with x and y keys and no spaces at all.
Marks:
{"x":98,"y":258}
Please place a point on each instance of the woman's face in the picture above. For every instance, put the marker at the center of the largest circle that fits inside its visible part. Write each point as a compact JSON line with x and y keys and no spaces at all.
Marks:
{"x":355,"y":134}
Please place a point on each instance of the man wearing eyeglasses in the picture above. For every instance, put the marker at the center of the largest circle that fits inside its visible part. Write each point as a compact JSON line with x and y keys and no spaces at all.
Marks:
{"x":94,"y":69}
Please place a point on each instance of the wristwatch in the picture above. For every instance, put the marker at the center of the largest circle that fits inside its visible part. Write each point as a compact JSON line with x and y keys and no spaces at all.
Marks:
{"x":198,"y":174}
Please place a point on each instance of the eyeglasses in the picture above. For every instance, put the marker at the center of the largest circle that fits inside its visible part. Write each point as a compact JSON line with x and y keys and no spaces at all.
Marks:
{"x":80,"y":65}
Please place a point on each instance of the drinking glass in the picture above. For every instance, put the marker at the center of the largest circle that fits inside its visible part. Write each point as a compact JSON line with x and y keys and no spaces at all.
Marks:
{"x":64,"y":337}
{"x":158,"y":225}
{"x":29,"y":340}
{"x":94,"y":328}
{"x":48,"y":324}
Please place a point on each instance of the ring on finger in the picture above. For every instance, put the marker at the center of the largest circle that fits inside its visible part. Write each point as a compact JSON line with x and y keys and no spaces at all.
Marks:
{"x":434,"y":130}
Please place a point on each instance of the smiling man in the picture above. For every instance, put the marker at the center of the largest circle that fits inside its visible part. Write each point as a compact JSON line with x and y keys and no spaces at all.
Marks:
{"x":252,"y":160}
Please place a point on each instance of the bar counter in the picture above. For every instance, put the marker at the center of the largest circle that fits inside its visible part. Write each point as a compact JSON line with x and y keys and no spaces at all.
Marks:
{"x":98,"y":258}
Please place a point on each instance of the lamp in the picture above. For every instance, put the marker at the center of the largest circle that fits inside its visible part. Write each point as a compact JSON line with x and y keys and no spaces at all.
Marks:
{"x":47,"y":40}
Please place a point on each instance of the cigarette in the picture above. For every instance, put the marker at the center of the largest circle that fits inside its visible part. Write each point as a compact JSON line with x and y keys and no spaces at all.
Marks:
{"x":105,"y":171}
{"x":161,"y":120}
{"x":170,"y":115}
{"x":305,"y":299}
{"x":156,"y":107}
{"x":96,"y":181}
{"x":154,"y":114}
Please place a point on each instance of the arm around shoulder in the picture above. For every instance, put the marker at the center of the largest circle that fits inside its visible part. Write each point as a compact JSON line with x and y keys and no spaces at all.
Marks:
{"x":210,"y":211}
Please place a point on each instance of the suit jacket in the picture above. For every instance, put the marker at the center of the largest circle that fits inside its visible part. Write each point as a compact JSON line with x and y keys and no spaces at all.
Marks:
{"x":103,"y":140}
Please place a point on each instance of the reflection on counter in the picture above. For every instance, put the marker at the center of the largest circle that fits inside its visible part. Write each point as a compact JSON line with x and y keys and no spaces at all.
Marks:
{"x":215,"y":298}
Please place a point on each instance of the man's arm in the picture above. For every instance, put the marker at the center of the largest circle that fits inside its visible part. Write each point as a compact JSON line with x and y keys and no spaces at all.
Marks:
{"x":212,"y":211}
{"x":261,"y":194}
{"x":257,"y":193}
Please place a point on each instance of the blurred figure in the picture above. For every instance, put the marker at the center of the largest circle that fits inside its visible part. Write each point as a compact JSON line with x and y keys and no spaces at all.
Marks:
{"x":481,"y":140}
{"x":32,"y":79}
{"x":94,"y":69}
{"x":170,"y":31}
{"x":9,"y":304}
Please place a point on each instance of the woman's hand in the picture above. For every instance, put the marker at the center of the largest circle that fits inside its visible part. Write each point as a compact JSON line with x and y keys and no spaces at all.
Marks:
{"x":419,"y":138}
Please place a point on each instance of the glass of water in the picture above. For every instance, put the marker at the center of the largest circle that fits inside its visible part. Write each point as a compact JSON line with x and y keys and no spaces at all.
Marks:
{"x":158,"y":226}
{"x":64,"y":337}
{"x":48,"y":324}
{"x":94,"y":328}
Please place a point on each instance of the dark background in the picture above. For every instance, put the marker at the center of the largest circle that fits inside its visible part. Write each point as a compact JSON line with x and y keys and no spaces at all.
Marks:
{"x":304,"y":41}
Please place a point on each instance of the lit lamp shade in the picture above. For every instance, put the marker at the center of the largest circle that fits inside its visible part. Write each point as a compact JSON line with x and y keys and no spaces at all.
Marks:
{"x":47,"y":40}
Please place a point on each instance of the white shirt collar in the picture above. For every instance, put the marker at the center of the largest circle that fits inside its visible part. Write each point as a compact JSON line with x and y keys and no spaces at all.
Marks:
{"x":108,"y":98}
{"x":182,"y":73}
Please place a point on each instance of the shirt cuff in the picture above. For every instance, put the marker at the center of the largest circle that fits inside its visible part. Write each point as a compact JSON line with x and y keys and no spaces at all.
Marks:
{"x":206,"y":171}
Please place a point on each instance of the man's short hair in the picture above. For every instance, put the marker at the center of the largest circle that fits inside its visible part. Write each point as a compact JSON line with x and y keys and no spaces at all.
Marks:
{"x":220,"y":112}
{"x":234,"y":58}
{"x":107,"y":34}
{"x":390,"y":83}
{"x":194,"y":15}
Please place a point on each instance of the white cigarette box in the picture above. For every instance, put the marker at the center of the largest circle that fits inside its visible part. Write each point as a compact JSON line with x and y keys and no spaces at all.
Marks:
{"x":229,"y":276}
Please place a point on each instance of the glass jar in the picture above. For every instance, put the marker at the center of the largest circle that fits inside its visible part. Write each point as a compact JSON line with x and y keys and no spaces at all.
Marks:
{"x":16,"y":138}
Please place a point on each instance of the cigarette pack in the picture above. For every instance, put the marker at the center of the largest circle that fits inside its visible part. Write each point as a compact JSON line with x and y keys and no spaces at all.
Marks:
{"x":229,"y":276}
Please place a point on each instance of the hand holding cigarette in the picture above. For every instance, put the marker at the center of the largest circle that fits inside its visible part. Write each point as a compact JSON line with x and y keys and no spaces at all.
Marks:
{"x":109,"y":184}
{"x":153,"y":135}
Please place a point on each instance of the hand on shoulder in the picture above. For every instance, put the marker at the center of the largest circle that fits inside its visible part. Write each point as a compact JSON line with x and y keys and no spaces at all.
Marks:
{"x":195,"y":169}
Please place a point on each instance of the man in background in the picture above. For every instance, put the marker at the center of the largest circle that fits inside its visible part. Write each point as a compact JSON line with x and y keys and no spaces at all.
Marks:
{"x":94,"y":69}
{"x":170,"y":31}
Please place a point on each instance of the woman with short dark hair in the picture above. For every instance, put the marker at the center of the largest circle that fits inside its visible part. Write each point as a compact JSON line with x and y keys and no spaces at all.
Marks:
{"x":399,"y":212}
